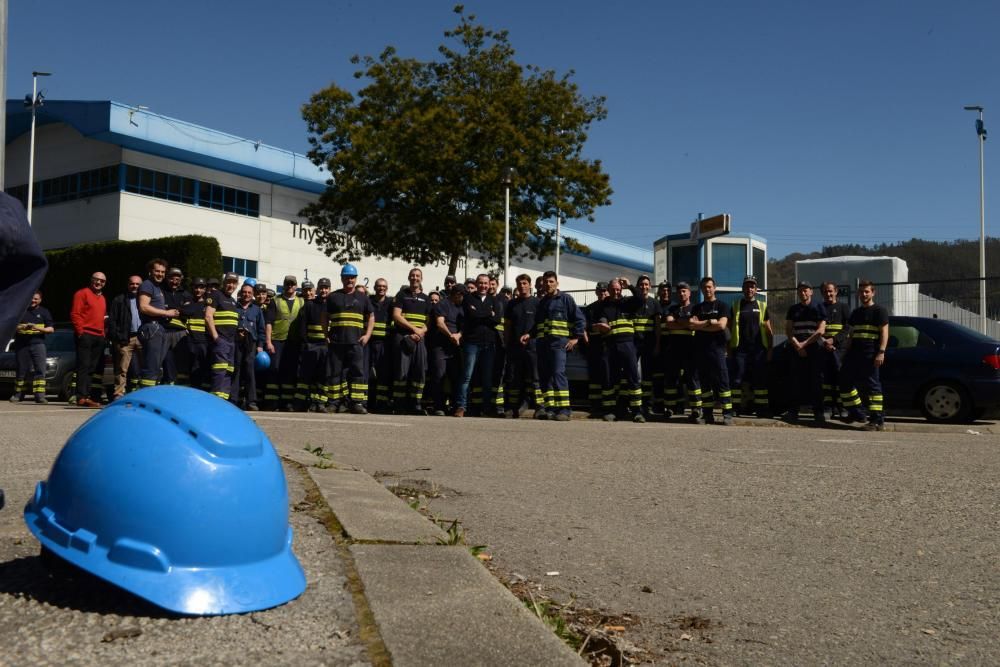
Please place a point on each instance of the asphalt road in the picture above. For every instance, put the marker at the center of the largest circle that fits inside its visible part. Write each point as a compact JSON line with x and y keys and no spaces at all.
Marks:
{"x":741,"y":545}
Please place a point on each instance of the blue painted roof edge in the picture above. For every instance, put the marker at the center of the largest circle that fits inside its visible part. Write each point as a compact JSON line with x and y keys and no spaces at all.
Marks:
{"x":141,"y":130}
{"x":606,"y":250}
{"x":687,"y":235}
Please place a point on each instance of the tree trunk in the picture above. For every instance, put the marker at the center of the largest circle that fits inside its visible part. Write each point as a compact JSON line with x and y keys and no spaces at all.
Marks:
{"x":453,"y":264}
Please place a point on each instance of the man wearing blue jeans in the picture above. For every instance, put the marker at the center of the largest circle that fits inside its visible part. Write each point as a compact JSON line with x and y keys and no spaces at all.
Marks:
{"x":480,"y":317}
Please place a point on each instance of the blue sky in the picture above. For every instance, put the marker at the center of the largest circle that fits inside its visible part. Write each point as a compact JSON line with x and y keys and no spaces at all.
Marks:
{"x":811,"y":123}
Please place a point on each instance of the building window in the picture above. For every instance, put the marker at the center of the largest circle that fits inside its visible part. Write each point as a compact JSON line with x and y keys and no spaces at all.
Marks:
{"x":684,"y":265}
{"x":159,"y":184}
{"x":760,"y":267}
{"x":80,"y":185}
{"x":244,"y":267}
{"x":729,"y":264}
{"x":231,"y":200}
{"x":190,"y":191}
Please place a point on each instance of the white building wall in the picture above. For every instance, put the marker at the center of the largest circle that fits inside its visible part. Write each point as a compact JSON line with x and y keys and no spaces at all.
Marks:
{"x":59,"y":150}
{"x":279,"y":240}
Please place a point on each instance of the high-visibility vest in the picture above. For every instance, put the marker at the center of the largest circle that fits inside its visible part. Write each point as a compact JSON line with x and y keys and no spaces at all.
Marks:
{"x":734,"y":324}
{"x":279,"y":330}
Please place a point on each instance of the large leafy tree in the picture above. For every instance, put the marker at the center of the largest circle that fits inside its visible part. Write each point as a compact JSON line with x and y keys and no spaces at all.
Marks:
{"x":418,"y":157}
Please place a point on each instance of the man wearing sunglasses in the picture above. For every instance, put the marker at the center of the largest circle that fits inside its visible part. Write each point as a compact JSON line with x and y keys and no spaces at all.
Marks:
{"x":87,"y":315}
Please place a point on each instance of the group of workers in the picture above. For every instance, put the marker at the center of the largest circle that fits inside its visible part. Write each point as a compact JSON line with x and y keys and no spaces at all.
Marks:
{"x":468,"y":349}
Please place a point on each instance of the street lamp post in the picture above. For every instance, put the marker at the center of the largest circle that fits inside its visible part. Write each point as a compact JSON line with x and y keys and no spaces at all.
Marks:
{"x":34,"y":102}
{"x":981,"y":132}
{"x":508,"y":180}
{"x":558,"y":239}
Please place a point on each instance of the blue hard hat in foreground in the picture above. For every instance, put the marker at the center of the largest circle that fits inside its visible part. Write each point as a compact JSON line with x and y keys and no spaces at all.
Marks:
{"x":176,"y":496}
{"x":262,"y":361}
{"x":349,"y":270}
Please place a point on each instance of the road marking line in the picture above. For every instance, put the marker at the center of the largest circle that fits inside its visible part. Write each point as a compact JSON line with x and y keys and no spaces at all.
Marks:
{"x":331,"y":422}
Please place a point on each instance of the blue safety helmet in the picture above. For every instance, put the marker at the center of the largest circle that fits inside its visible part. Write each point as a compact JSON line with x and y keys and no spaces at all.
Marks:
{"x":252,"y":282}
{"x":176,"y":496}
{"x":262,"y":361}
{"x":349,"y":270}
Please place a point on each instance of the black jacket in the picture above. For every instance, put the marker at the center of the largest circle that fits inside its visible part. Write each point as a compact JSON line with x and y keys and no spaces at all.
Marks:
{"x":119,"y":320}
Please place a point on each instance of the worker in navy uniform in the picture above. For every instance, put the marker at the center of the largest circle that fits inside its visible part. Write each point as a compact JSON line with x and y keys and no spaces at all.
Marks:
{"x":282,"y":343}
{"x":195,"y":362}
{"x":410,"y":317}
{"x":559,"y":324}
{"x":222,"y":320}
{"x":260,"y":298}
{"x":709,"y":320}
{"x":378,"y":360}
{"x":249,"y":341}
{"x":661,"y":347}
{"x":866,"y":346}
{"x":153,"y":315}
{"x":804,"y":327}
{"x":502,"y":299}
{"x":29,"y":350}
{"x":835,"y":314}
{"x":351,"y":324}
{"x":175,"y":329}
{"x":600,"y":393}
{"x":444,"y":352}
{"x":681,"y":367}
{"x":616,"y":323}
{"x":521,"y":372}
{"x":480,"y":315}
{"x":645,"y":312}
{"x":750,"y":348}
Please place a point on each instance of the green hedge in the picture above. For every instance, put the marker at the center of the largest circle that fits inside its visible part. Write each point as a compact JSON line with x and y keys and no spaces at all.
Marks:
{"x":71,"y":268}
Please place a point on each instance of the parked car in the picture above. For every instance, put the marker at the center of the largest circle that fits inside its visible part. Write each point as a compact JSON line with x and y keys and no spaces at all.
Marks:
{"x":60,"y":364}
{"x":946,"y":371}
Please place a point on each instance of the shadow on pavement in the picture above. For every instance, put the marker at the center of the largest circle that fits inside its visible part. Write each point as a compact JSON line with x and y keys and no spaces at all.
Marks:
{"x":48,"y":579}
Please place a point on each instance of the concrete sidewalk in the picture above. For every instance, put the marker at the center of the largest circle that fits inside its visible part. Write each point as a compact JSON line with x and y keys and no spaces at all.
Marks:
{"x":433,"y":603}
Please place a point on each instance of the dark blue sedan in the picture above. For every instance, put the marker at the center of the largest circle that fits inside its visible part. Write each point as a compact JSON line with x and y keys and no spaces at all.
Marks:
{"x":946,"y":371}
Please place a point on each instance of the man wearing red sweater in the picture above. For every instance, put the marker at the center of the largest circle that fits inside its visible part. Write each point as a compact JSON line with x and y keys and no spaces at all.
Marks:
{"x":87,"y":315}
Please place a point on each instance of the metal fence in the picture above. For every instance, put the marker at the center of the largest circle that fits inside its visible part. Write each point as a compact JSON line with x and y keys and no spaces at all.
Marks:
{"x":955,"y":300}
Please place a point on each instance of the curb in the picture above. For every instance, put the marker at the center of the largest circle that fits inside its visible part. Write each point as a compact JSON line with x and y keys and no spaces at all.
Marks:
{"x":432,"y":603}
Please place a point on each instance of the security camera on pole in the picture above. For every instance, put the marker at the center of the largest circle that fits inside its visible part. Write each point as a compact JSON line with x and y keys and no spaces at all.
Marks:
{"x":981,"y":131}
{"x":36,"y":100}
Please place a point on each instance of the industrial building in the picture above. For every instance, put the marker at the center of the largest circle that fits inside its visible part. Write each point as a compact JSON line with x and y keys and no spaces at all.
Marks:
{"x":109,"y":171}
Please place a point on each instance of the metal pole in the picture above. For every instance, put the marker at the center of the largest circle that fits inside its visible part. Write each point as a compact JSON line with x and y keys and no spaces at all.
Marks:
{"x":3,"y":90}
{"x":31,"y":152}
{"x":982,"y":229}
{"x":558,"y":239}
{"x":506,"y":234}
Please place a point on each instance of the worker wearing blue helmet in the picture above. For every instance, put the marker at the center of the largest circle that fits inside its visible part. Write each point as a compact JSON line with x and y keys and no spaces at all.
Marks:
{"x":351,"y":321}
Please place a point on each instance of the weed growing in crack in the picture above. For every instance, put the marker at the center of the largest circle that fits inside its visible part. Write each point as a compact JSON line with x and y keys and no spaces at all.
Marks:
{"x":325,"y":459}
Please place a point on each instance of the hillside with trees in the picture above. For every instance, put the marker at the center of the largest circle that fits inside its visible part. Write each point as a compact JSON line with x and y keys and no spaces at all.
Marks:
{"x":947,"y":270}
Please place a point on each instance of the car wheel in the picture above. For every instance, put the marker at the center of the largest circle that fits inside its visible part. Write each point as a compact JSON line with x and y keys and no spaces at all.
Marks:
{"x":66,"y":387}
{"x":945,"y":401}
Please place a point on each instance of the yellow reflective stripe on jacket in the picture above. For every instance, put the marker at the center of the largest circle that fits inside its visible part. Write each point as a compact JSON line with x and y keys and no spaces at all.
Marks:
{"x":832,"y":330}
{"x":196,"y":324}
{"x":174,"y":321}
{"x":734,"y":324}
{"x":380,"y":330}
{"x":354,"y":320}
{"x":315,"y":332}
{"x":621,"y":326}
{"x":865,"y":332}
{"x":643,"y":324}
{"x":415,"y":318}
{"x":226,"y":318}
